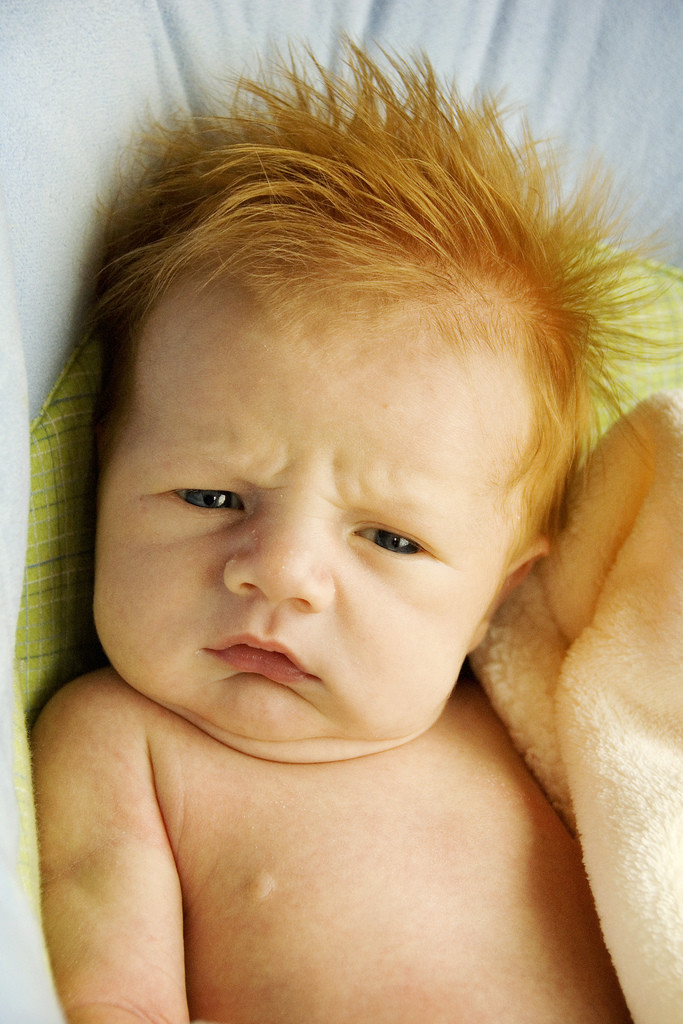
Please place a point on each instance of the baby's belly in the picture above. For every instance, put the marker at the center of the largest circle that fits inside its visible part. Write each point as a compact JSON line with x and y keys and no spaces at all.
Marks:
{"x":346,"y":944}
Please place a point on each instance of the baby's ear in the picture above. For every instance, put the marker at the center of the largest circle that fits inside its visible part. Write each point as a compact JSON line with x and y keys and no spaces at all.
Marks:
{"x":519,"y":570}
{"x":516,"y":574}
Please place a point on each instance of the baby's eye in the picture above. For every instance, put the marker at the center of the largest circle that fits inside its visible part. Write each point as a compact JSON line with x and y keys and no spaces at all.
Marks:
{"x":391,"y":541}
{"x":212,"y":499}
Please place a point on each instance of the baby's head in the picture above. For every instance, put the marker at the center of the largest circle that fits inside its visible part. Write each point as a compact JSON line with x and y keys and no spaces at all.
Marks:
{"x":352,"y":340}
{"x":320,"y":196}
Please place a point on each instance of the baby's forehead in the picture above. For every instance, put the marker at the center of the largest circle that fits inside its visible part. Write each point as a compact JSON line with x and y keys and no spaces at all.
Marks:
{"x":343,"y":328}
{"x":396,"y":355}
{"x":395,"y":338}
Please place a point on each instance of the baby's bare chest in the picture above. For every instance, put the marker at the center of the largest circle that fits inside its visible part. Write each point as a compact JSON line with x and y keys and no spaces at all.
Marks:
{"x":427,"y":885}
{"x":312,"y":891}
{"x":304,"y":905}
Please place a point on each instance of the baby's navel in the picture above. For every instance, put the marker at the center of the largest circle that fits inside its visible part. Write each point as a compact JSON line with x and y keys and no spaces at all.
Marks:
{"x":262,"y":886}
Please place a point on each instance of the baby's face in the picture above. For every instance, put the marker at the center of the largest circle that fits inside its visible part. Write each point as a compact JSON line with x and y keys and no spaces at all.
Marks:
{"x":300,"y":538}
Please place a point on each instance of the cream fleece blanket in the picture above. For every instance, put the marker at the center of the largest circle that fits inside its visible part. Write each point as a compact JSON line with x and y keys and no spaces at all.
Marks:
{"x":584,"y":664}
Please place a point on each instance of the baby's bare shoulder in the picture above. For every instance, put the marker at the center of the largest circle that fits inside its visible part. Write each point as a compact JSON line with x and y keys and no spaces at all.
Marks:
{"x":90,"y":747}
{"x":93,"y":776}
{"x":96,"y":703}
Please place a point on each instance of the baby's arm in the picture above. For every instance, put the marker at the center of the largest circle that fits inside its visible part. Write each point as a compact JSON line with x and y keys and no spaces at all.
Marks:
{"x":112,"y":903}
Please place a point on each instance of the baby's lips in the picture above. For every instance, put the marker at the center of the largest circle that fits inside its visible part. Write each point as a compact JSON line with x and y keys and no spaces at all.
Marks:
{"x":275,"y":665}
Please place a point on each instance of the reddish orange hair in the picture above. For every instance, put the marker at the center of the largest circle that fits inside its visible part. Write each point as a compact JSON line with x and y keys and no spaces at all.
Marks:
{"x":381,"y":186}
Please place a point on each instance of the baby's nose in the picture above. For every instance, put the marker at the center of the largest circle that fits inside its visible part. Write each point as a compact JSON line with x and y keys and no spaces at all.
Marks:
{"x":283,"y":562}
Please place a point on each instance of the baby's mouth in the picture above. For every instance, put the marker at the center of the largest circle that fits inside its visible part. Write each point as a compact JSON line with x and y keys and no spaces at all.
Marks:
{"x":275,"y":665}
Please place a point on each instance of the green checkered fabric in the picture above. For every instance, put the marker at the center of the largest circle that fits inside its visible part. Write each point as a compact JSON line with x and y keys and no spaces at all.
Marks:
{"x":56,"y":639}
{"x":660,"y":322}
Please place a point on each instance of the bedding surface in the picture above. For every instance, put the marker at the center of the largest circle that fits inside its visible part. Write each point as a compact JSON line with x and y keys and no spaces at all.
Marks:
{"x":26,"y":993}
{"x":584,"y":665}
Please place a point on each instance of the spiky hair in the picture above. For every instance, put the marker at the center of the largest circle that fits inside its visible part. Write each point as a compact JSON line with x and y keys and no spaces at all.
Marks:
{"x":374,"y":187}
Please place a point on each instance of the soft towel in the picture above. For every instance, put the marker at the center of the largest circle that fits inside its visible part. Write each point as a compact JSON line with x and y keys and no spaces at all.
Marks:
{"x":584,"y":664}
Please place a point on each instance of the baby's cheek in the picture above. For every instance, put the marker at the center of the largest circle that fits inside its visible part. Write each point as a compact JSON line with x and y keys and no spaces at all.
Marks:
{"x":124,"y":606}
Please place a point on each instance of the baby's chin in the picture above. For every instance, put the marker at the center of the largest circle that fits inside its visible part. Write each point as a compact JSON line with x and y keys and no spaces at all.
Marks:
{"x":297,"y":739}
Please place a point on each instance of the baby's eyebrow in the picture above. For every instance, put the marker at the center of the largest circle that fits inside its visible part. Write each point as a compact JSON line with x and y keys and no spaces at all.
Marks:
{"x":419,"y":504}
{"x":233,"y":457}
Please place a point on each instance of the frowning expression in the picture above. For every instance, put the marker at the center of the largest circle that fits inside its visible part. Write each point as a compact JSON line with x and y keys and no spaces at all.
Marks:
{"x":301,"y":533}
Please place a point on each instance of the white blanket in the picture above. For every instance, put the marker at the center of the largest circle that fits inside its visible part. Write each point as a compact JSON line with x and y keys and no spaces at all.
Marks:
{"x":584,"y":664}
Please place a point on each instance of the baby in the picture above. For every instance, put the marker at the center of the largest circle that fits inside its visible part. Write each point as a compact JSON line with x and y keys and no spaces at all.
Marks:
{"x":351,"y":336}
